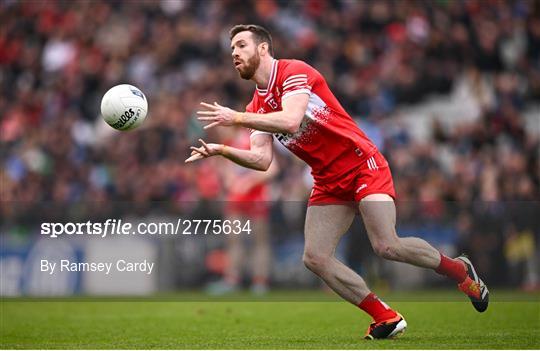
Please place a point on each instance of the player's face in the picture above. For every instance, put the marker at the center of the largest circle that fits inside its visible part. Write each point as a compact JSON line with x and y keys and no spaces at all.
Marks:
{"x":245,"y":55}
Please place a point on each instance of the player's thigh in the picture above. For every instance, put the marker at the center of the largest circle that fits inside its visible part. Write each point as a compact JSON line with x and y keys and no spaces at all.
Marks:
{"x":325,"y":225}
{"x":379,"y":216}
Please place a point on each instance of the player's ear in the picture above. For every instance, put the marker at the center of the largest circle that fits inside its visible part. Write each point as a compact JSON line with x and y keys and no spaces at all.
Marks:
{"x":263,"y":48}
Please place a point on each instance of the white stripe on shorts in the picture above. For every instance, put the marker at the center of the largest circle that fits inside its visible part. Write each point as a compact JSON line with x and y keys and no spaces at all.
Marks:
{"x":371,"y":164}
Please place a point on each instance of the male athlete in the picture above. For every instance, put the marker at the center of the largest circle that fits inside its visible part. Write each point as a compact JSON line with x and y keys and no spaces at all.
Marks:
{"x":293,"y":103}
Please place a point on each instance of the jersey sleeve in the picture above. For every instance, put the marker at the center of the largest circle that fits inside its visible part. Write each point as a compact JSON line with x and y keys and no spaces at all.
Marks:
{"x":297,"y":78}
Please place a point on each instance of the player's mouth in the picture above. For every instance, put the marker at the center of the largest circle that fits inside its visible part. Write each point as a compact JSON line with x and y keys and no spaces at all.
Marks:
{"x":237,"y":63}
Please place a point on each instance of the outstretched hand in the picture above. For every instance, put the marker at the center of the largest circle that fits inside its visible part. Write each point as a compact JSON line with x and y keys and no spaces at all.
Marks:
{"x":217,"y":115}
{"x":204,"y":151}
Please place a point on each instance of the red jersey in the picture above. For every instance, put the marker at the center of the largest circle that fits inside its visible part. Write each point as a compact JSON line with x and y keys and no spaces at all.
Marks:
{"x":328,"y":139}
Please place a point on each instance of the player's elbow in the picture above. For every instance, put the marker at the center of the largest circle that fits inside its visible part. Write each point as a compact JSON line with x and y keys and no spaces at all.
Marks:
{"x":261,"y":168}
{"x":263,"y":165}
{"x":261,"y":162}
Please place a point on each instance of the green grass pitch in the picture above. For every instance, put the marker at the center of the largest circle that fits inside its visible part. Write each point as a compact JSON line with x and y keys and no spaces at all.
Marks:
{"x":280,"y":321}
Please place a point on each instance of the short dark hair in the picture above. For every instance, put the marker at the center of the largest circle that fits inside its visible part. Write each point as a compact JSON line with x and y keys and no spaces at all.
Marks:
{"x":259,"y":33}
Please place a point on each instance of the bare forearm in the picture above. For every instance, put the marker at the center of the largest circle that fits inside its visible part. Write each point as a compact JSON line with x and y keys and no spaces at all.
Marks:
{"x":275,"y":122}
{"x":263,"y":177}
{"x":245,"y":158}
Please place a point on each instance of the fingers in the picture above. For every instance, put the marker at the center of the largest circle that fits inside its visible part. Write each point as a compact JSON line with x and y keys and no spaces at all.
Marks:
{"x":207,"y":113}
{"x":200,"y":150}
{"x":211,"y":115}
{"x":210,"y":119}
{"x":194,"y":158}
{"x":206,"y":147}
{"x":211,"y":107}
{"x":211,"y":125}
{"x":198,"y":153}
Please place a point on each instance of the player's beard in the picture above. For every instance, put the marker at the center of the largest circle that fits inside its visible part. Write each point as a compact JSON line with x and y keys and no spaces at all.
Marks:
{"x":250,"y":67}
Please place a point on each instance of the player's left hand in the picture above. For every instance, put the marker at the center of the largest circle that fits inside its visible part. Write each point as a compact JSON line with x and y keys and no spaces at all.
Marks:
{"x":204,"y":151}
{"x":217,"y":115}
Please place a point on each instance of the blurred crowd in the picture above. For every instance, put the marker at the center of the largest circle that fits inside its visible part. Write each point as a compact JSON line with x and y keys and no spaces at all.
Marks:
{"x":57,"y":59}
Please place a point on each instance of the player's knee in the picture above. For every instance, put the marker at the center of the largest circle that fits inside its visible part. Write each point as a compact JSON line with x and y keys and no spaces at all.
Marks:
{"x":387,"y":249}
{"x":315,"y":262}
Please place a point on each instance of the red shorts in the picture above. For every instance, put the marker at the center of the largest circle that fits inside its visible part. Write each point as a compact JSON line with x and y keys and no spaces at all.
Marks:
{"x":371,"y":177}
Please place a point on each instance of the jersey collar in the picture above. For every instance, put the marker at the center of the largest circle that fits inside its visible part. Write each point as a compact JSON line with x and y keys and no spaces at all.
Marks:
{"x":271,"y":81}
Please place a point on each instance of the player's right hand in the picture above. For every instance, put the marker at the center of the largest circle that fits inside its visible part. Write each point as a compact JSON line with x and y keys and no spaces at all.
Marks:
{"x":204,"y":151}
{"x":217,"y":115}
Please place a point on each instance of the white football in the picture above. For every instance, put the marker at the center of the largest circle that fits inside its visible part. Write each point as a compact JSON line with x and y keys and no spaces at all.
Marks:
{"x":124,"y":107}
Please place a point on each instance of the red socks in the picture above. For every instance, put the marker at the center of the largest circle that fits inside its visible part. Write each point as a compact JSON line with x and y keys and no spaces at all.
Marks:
{"x":452,"y":268}
{"x":380,"y":311}
{"x":377,"y":309}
